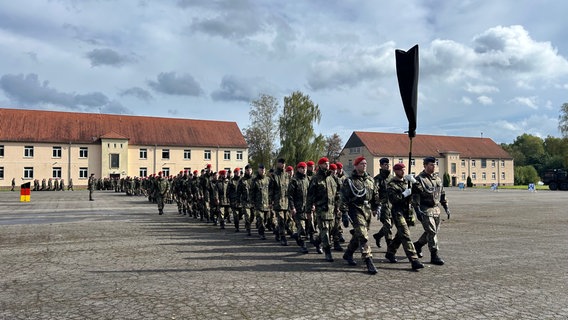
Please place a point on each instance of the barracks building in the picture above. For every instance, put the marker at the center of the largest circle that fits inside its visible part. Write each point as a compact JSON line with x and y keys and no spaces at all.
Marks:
{"x":67,"y":145}
{"x":481,"y":159}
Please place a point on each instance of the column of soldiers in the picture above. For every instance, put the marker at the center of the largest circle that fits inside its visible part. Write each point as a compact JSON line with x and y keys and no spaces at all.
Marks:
{"x":311,"y":206}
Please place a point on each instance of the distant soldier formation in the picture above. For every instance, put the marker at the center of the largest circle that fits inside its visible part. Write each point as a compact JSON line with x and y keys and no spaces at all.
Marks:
{"x":309,"y":205}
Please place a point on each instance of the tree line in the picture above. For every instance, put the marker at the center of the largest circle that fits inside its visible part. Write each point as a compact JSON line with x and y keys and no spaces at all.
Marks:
{"x":287,"y":131}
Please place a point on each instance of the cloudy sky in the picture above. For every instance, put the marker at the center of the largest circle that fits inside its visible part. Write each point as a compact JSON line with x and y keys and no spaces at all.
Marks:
{"x":492,"y":68}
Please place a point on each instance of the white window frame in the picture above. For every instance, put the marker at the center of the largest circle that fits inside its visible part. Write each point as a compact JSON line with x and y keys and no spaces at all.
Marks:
{"x":83,"y":152}
{"x":187,"y":154}
{"x":143,"y":153}
{"x":240,"y":155}
{"x":207,"y":154}
{"x":56,"y":172}
{"x":56,"y":152}
{"x":28,"y":173}
{"x":28,"y":151}
{"x":227,"y":155}
{"x":83,"y":173}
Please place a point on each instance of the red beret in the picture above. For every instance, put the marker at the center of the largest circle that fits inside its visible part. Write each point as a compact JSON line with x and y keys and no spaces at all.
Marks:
{"x":333,"y":166}
{"x":289,"y":168}
{"x":358,"y":160}
{"x":301,"y":164}
{"x":323,"y":160}
{"x":221,"y":172}
{"x":208,"y":165}
{"x":339,"y":165}
{"x":195,"y":172}
{"x":310,"y":163}
{"x":160,"y":173}
{"x":237,"y":170}
{"x":398,"y":166}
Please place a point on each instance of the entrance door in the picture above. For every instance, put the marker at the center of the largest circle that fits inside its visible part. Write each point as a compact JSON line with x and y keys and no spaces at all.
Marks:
{"x":454,"y":181}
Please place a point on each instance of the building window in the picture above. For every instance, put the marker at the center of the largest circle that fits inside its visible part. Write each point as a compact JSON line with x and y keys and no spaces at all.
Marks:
{"x":207,"y":154}
{"x":143,"y":153}
{"x":28,"y":173}
{"x":413,"y":162}
{"x":187,"y":154}
{"x":400,"y":160}
{"x":473,"y":163}
{"x":114,"y":160}
{"x":502,"y":175}
{"x":28,"y":151}
{"x":484,"y":163}
{"x":502,"y":163}
{"x":56,"y":152}
{"x":463,"y":175}
{"x":1,"y":151}
{"x":83,"y":152}
{"x":1,"y":173}
{"x":165,"y":172}
{"x":492,"y":163}
{"x":56,"y":172}
{"x":165,"y":153}
{"x":83,"y":173}
{"x":355,"y":150}
{"x":227,"y":155}
{"x":239,"y":155}
{"x":463,"y":163}
{"x":473,"y":176}
{"x":143,"y":172}
{"x":186,"y":170}
{"x":453,"y":168}
{"x":483,"y":176}
{"x":493,"y":176}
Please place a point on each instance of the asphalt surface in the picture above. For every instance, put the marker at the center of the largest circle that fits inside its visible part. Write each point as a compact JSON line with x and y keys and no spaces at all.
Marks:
{"x":63,"y":257}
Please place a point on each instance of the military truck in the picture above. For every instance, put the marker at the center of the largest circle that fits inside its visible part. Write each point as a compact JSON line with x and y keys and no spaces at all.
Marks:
{"x":556,"y":179}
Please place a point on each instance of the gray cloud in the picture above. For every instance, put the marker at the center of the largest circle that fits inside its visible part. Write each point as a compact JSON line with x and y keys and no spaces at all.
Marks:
{"x":171,"y":83}
{"x":233,"y":88}
{"x":137,"y":92}
{"x":28,"y":91}
{"x":109,"y":57}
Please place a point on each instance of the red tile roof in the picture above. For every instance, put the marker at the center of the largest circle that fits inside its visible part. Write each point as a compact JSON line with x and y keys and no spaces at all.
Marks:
{"x":395,"y":144}
{"x":65,"y":127}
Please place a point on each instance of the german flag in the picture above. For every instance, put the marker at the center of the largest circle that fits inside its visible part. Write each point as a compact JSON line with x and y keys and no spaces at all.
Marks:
{"x":25,"y":192}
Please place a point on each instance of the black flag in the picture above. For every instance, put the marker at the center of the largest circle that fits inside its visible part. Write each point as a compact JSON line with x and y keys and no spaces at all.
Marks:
{"x":407,"y":74}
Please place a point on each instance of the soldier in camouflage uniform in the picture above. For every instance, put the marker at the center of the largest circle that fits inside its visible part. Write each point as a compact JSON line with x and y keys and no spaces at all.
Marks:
{"x":402,"y":216}
{"x":359,"y":202}
{"x":244,"y":199}
{"x":278,"y":188}
{"x":428,"y":194}
{"x":234,"y":198}
{"x":336,"y":225}
{"x":221,"y":200}
{"x":297,"y":199}
{"x":260,"y":198}
{"x":322,"y":195}
{"x":205,"y":186}
{"x":162,"y":188}
{"x":382,"y":180}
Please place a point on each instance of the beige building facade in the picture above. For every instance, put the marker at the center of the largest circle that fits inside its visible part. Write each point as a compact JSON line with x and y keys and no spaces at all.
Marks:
{"x":74,"y":145}
{"x":481,"y":159}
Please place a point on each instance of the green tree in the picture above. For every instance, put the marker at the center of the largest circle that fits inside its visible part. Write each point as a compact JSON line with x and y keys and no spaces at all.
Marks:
{"x":557,"y":149}
{"x":525,"y":175}
{"x":563,"y":120}
{"x":333,"y":146}
{"x":261,"y":135}
{"x":446,"y":181}
{"x":296,"y":124}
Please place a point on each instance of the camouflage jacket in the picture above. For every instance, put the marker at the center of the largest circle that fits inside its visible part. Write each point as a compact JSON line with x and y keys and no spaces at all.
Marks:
{"x":298,"y":193}
{"x":323,"y":194}
{"x":278,"y":189}
{"x":427,"y":193}
{"x":259,"y":193}
{"x":359,"y":195}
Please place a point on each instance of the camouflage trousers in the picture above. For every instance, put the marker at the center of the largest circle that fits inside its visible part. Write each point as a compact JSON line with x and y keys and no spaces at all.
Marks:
{"x":359,"y":240}
{"x":285,"y":222}
{"x":431,"y":225}
{"x":261,"y":220}
{"x":402,"y":237}
{"x":325,"y":227}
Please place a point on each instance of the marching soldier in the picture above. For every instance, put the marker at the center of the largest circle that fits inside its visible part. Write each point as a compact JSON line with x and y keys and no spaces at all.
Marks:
{"x":382,"y":180}
{"x":91,"y":186}
{"x":161,"y":191}
{"x":402,"y":217}
{"x":221,"y":200}
{"x":359,"y":201}
{"x":336,"y":225}
{"x":244,"y":198}
{"x":278,"y":188}
{"x":234,"y":198}
{"x":322,"y":195}
{"x":297,"y":199}
{"x":260,"y":197}
{"x":428,"y":194}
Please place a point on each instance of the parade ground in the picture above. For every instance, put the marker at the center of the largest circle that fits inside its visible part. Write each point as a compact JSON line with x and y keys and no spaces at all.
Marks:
{"x":64,"y":257}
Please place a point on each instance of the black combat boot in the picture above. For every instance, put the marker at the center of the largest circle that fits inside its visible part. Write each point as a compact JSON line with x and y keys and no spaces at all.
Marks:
{"x":160,"y":212}
{"x":317,"y":244}
{"x":341,"y":238}
{"x":249,"y":233}
{"x":348,"y":256}
{"x":435,"y":259}
{"x":391,"y":257}
{"x":370,"y":266}
{"x":283,"y":241}
{"x":222,"y":223}
{"x":418,"y":249}
{"x":303,"y":248}
{"x":378,"y":237}
{"x":328,"y":256}
{"x":416,"y":264}
{"x":337,"y":246}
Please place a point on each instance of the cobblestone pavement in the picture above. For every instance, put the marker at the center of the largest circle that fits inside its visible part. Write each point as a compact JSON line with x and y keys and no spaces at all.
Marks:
{"x":62,"y":257}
